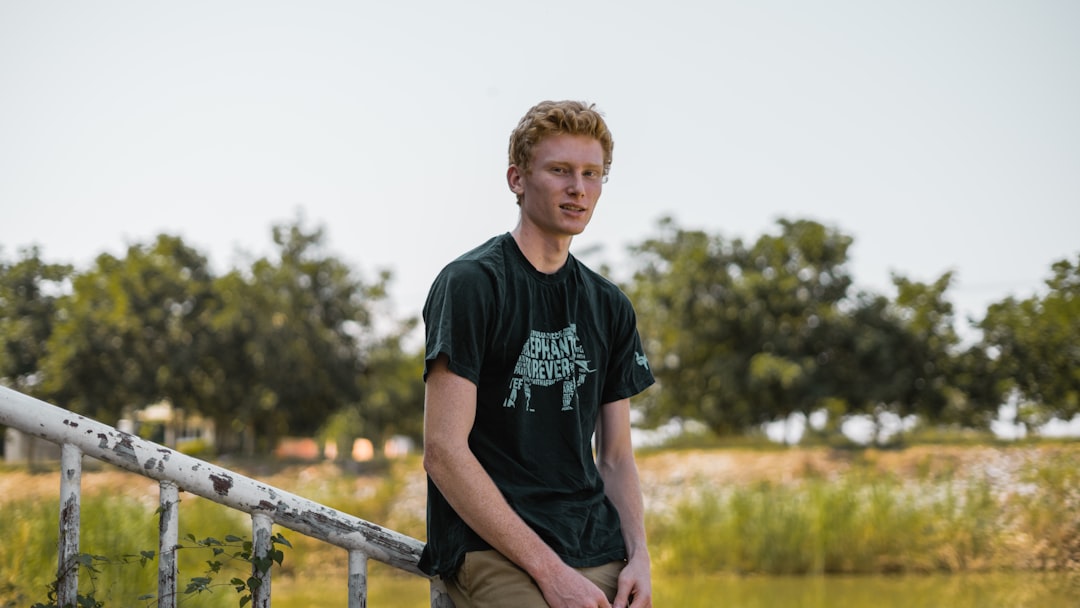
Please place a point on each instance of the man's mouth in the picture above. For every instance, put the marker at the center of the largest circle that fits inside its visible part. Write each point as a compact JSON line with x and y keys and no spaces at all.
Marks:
{"x":574,"y":208}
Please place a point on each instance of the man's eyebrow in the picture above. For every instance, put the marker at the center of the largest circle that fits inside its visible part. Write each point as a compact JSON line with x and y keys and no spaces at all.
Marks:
{"x":570,"y":162}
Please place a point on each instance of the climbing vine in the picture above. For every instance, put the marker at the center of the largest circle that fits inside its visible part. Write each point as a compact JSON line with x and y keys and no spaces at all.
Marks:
{"x":231,"y":549}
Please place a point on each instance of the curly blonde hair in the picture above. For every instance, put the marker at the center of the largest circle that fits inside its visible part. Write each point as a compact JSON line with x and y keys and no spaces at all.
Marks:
{"x":557,"y":117}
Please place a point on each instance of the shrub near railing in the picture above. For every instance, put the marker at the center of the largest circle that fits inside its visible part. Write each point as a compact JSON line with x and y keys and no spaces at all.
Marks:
{"x":232,"y":550}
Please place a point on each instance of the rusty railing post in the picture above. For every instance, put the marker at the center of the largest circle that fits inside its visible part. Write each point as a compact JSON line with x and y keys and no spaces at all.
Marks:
{"x":357,"y":579}
{"x":261,"y":529}
{"x":439,"y":597}
{"x":168,"y":534}
{"x":67,"y":573}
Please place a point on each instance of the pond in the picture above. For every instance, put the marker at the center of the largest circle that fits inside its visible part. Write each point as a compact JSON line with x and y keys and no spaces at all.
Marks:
{"x":966,"y":591}
{"x":1014,"y":590}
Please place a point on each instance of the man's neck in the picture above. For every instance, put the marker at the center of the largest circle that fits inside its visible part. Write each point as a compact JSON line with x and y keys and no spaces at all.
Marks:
{"x":547,"y":254}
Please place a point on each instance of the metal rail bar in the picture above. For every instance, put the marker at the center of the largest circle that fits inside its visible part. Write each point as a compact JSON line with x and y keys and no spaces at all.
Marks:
{"x":79,"y":435}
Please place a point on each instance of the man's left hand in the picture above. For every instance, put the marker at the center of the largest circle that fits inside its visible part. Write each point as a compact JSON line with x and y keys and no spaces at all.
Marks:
{"x":635,"y":585}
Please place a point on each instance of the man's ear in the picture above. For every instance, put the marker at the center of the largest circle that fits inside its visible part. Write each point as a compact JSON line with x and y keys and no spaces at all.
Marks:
{"x":515,"y":179}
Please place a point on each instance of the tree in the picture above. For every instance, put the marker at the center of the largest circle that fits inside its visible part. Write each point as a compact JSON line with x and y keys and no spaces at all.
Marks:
{"x":393,"y":389}
{"x":738,"y":335}
{"x":29,"y":290}
{"x":134,"y":331}
{"x":981,"y":389}
{"x":295,"y":327}
{"x":1037,"y":344}
{"x":392,"y":395}
{"x":899,"y":356}
{"x":273,"y":349}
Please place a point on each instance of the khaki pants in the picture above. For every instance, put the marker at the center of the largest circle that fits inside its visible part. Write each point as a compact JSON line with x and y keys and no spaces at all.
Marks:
{"x":488,"y":580}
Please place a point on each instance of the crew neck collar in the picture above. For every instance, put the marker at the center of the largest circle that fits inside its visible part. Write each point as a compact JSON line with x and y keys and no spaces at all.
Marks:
{"x":519,"y":255}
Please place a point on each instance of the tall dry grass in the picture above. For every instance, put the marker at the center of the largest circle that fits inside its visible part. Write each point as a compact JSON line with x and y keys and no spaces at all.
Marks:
{"x":869,"y":522}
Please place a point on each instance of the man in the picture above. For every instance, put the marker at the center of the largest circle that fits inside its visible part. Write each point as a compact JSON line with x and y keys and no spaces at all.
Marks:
{"x":529,"y":353}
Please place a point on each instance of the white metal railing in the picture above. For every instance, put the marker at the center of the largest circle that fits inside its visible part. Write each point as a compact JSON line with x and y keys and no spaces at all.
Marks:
{"x":267,"y":505}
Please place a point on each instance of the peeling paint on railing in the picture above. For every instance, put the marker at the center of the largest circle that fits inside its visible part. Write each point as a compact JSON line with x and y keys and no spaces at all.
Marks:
{"x":168,"y":535}
{"x":67,"y":571}
{"x":126,"y":451}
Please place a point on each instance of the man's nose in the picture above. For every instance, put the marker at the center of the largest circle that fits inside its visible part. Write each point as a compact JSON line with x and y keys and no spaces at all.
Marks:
{"x":577,"y":184}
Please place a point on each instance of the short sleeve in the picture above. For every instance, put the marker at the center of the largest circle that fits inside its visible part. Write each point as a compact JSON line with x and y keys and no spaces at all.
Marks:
{"x":629,"y":372}
{"x":457,"y":317}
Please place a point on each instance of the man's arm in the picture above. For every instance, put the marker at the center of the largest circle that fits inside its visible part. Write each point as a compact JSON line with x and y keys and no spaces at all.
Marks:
{"x":615,"y":459}
{"x":449,"y":413}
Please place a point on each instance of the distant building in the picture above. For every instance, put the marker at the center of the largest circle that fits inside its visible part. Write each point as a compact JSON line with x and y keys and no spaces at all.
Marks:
{"x":171,"y":427}
{"x":160,"y":423}
{"x":306,"y":448}
{"x":20,"y":447}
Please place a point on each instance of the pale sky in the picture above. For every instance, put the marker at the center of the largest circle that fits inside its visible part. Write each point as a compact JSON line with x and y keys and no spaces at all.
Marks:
{"x":941,"y":135}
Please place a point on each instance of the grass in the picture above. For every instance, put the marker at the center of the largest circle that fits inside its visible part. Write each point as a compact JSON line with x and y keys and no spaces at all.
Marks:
{"x":853,"y":526}
{"x":866,"y":522}
{"x":115,"y":528}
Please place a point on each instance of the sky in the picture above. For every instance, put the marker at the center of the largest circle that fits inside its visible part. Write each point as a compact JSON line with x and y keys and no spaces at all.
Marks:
{"x":941,"y":135}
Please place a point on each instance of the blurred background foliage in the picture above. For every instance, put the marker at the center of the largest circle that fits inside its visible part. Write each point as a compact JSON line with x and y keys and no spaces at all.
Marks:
{"x":739,"y":335}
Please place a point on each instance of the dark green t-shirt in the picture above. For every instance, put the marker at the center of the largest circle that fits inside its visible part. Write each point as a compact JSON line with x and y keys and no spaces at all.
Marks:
{"x":545,"y":352}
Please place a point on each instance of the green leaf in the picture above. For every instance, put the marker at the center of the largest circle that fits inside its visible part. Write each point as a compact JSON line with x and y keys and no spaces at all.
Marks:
{"x":262,"y":564}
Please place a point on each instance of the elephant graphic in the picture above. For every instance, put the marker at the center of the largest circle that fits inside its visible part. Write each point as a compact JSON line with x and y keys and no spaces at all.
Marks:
{"x":547,"y":359}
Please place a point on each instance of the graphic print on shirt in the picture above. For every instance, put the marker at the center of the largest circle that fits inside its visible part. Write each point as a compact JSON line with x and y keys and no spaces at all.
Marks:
{"x":641,"y":360}
{"x":548,"y":359}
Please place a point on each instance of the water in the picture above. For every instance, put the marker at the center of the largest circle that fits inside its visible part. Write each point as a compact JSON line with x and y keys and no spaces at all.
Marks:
{"x":1021,"y":590}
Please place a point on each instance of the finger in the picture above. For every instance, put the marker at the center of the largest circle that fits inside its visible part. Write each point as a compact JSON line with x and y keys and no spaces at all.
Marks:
{"x":622,"y":594}
{"x":641,"y":601}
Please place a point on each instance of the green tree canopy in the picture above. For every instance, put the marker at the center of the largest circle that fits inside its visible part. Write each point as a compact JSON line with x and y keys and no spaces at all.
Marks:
{"x":740,"y":335}
{"x":29,"y":289}
{"x":295,"y":327}
{"x":269,"y":350}
{"x":898,"y":356}
{"x":736,"y":333}
{"x":1036,"y":343}
{"x":134,"y":331}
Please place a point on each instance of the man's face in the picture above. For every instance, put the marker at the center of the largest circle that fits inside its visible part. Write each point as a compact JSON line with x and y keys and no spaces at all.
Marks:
{"x":560,"y":189}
